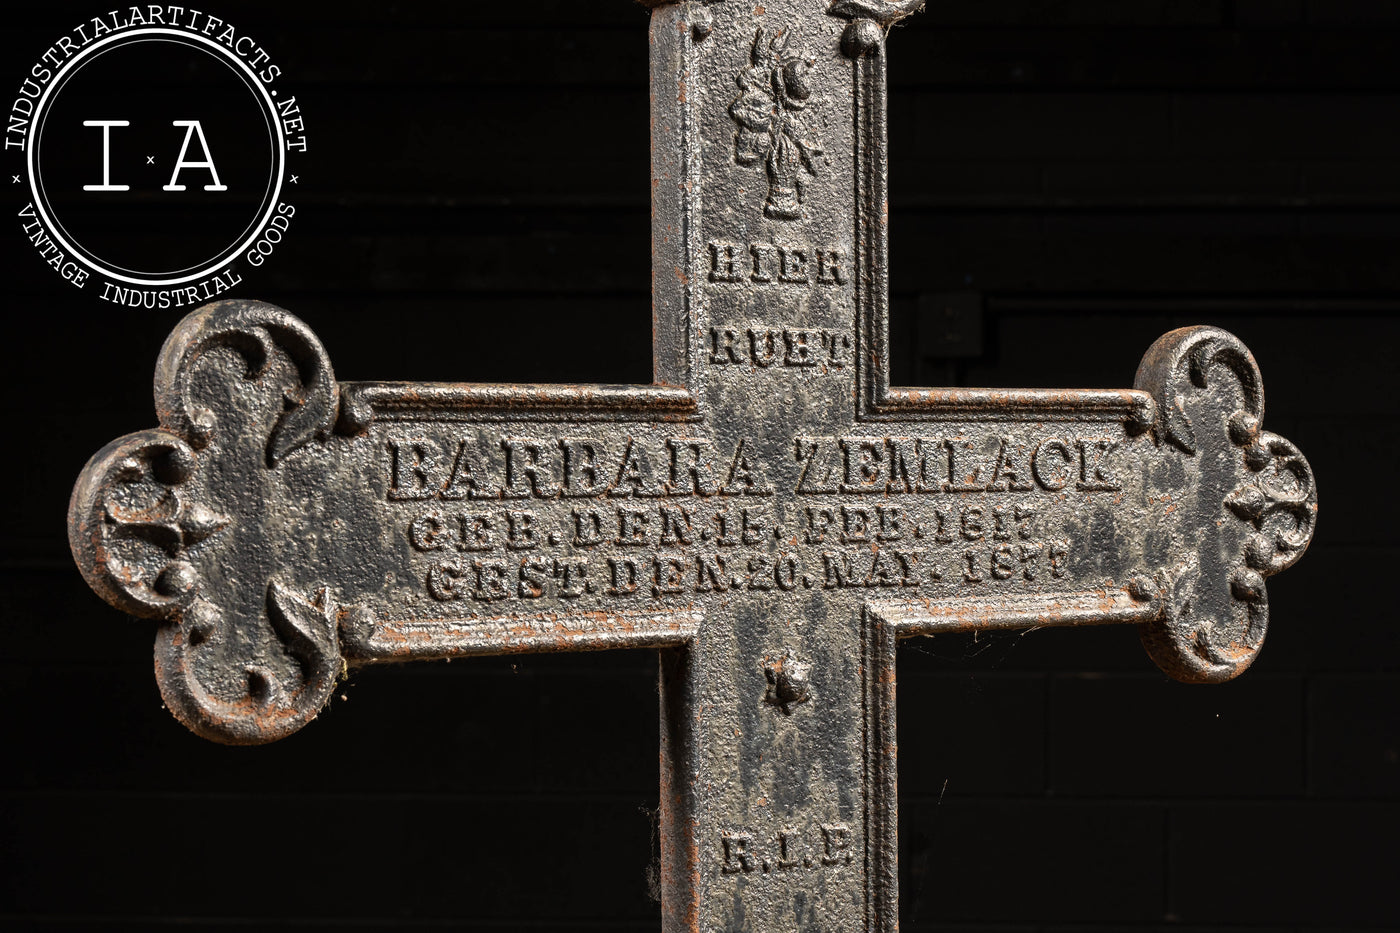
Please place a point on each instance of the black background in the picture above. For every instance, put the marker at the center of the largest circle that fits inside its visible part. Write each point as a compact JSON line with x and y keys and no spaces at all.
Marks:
{"x":474,"y":206}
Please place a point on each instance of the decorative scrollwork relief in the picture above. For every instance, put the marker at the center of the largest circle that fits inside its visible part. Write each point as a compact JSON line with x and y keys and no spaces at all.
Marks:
{"x":168,"y":524}
{"x":260,"y":333}
{"x":1252,"y":514}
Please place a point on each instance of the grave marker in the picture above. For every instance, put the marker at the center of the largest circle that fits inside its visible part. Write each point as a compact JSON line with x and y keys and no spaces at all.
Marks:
{"x":771,"y":513}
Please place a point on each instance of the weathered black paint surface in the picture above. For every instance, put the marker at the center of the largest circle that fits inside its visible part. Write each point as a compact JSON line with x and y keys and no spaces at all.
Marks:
{"x":1032,"y":360}
{"x":771,"y":511}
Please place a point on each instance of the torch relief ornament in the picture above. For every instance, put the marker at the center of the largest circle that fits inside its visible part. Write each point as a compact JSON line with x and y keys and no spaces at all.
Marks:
{"x":773,"y":95}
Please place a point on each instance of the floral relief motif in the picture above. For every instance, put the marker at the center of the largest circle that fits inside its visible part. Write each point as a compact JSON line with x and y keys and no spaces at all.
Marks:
{"x":144,"y":525}
{"x":773,"y":96}
{"x":1280,"y":501}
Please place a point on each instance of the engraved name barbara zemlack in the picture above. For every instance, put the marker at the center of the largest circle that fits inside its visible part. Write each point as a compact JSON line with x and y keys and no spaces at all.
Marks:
{"x":675,"y":515}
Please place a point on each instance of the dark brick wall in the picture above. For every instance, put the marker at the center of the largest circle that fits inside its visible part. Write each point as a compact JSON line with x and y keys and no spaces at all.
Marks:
{"x":1083,"y":174}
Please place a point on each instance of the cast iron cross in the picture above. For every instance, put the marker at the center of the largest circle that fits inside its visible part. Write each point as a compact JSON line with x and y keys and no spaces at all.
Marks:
{"x":771,"y":513}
